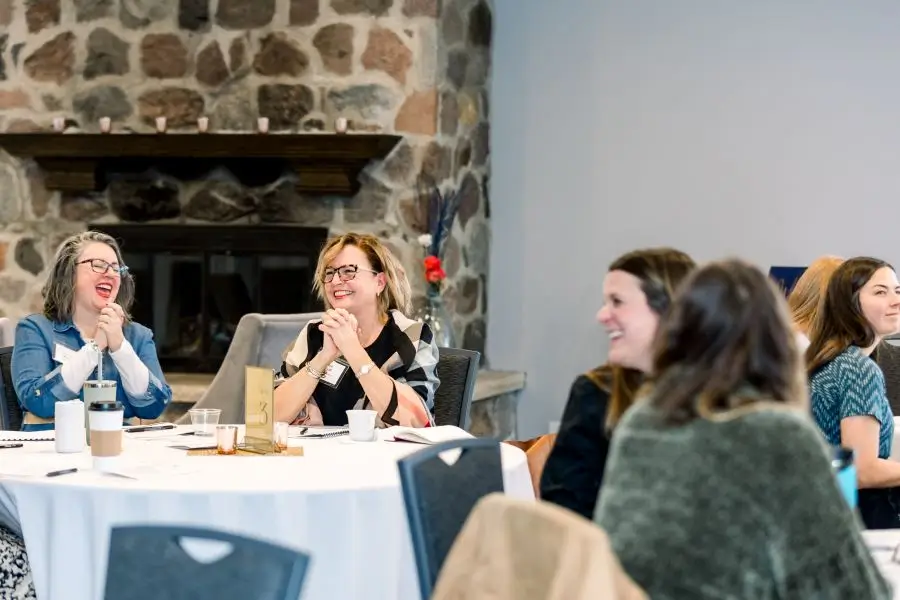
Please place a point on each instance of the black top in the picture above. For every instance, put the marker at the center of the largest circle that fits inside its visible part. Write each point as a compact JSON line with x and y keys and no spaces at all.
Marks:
{"x":335,"y":402}
{"x":574,"y":470}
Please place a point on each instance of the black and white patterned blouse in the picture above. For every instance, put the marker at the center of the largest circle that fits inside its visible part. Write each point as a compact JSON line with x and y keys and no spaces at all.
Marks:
{"x":405,"y":350}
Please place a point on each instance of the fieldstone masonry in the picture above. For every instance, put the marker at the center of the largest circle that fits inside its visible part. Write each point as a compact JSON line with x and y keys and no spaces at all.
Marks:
{"x":419,"y":68}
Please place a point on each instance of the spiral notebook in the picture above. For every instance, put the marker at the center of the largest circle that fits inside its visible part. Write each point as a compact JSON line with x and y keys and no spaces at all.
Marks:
{"x":323,"y":434}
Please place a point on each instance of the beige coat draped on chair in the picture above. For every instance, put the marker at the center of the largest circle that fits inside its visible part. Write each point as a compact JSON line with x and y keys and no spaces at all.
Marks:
{"x":518,"y":550}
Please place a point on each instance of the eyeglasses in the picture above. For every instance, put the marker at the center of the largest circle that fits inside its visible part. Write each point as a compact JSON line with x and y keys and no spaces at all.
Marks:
{"x":346,"y":273}
{"x":98,"y":265}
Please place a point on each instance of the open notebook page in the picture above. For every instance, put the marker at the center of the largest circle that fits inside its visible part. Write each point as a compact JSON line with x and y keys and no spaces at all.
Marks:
{"x":428,"y":435}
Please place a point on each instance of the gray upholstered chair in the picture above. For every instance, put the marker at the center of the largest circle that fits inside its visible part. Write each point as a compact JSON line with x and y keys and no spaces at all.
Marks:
{"x":7,"y":331}
{"x":457,"y":370}
{"x":259,"y":341}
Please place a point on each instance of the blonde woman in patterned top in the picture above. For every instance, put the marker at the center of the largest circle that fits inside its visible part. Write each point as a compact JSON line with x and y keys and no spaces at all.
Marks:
{"x":365,"y":352}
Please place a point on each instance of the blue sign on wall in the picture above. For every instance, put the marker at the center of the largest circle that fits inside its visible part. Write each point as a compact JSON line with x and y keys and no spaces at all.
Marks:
{"x":786,"y":277}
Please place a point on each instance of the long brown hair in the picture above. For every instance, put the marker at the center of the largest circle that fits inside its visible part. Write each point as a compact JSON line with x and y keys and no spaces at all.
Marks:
{"x":839,"y":322}
{"x":806,"y":295}
{"x":727,"y":343}
{"x":660,"y":271}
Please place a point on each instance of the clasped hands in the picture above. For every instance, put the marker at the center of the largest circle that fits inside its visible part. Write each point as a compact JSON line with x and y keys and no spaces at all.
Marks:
{"x":341,"y":332}
{"x":109,"y":328}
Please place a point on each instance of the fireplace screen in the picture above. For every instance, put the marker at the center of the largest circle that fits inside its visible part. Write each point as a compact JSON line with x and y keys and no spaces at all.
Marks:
{"x":194,"y":283}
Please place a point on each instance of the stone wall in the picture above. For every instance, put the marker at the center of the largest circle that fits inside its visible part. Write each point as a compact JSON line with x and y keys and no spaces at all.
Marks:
{"x":420,"y":68}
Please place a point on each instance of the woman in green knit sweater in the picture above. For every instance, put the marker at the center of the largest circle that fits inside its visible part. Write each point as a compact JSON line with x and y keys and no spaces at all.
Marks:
{"x":718,"y":484}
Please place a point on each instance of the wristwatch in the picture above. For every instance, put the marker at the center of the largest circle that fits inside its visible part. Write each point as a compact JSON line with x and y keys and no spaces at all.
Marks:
{"x":366,"y":368}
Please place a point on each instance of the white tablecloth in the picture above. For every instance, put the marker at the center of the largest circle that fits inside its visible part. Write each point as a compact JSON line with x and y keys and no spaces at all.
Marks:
{"x":882,"y":544}
{"x":341,"y":503}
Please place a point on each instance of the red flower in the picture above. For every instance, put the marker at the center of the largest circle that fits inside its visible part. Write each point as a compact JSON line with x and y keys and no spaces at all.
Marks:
{"x":435,"y":275}
{"x":432,"y":263}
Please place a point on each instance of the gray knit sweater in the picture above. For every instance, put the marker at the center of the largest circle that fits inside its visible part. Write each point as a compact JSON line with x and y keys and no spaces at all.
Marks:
{"x":735,"y":509}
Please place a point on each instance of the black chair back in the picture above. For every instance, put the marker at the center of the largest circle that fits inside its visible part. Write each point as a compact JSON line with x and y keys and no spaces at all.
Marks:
{"x":457,"y":370}
{"x":151,"y":563}
{"x":439,"y":497}
{"x":10,"y":411}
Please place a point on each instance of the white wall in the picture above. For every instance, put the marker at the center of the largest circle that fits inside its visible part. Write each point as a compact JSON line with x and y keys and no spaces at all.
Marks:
{"x":768,"y":129}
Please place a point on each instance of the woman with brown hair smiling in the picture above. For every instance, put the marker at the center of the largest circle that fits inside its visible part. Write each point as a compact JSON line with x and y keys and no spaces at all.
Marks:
{"x":718,"y":484}
{"x":849,"y":399}
{"x":637,"y":290}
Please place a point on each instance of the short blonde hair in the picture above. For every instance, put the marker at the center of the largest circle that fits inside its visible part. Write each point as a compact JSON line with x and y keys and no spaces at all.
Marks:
{"x":397,"y":294}
{"x":809,"y":290}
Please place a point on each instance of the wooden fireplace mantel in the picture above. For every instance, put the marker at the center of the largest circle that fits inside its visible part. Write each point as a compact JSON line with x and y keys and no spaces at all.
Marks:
{"x":325,"y":163}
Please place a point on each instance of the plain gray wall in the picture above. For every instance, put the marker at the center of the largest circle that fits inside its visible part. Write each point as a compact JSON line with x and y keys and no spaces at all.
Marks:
{"x":768,"y":130}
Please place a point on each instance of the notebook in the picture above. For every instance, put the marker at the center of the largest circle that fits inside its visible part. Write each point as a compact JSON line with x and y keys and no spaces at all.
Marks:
{"x":429,"y":435}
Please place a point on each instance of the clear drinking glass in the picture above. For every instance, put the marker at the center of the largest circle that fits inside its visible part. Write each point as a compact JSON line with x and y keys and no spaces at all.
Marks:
{"x":205,"y":420}
{"x":226,"y":439}
{"x":281,"y":436}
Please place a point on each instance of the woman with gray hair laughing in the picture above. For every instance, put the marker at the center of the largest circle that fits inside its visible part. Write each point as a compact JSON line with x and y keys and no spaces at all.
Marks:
{"x":86,"y":303}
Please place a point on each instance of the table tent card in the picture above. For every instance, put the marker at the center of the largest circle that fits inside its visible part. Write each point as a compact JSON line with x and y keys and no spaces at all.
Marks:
{"x":259,"y":410}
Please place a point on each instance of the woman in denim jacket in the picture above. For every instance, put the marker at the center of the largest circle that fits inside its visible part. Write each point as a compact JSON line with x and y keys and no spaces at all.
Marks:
{"x":86,"y":303}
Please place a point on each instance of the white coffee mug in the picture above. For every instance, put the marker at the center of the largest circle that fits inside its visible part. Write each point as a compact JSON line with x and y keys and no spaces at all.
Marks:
{"x":362,"y":425}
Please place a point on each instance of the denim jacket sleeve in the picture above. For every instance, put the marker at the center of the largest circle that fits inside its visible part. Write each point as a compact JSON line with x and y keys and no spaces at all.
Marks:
{"x":38,"y":381}
{"x":158,"y":395}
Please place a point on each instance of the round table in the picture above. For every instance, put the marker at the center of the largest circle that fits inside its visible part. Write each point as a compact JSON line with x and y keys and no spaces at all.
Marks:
{"x":341,"y":502}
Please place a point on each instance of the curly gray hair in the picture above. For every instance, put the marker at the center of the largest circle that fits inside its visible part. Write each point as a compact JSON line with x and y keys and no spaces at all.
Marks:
{"x":59,"y":291}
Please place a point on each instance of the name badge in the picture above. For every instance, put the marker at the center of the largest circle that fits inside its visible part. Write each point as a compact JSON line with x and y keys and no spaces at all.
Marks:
{"x":335,"y":372}
{"x":62,"y":353}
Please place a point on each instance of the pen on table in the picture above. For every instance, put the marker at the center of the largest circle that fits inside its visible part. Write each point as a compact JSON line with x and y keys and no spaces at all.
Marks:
{"x":304,"y":430}
{"x":149,"y":428}
{"x":63,"y":472}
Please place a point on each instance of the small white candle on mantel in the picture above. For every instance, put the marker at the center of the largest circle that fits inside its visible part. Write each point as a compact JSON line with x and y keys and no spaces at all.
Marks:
{"x":59,"y":124}
{"x":160,"y":124}
{"x":105,"y":124}
{"x":203,"y":124}
{"x":340,"y":125}
{"x":262,"y":124}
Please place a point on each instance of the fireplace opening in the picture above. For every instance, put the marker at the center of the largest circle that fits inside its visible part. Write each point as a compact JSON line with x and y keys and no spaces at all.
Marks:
{"x":195,"y":282}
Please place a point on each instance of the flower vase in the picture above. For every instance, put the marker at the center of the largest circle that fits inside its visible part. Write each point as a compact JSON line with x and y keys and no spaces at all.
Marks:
{"x":435,"y":315}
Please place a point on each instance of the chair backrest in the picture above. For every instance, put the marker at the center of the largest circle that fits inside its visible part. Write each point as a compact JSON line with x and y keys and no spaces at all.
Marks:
{"x":439,"y":497}
{"x":10,"y":411}
{"x":526,"y":549}
{"x":457,"y":370}
{"x":150,"y":562}
{"x":258,"y":341}
{"x":7,"y":331}
{"x":887,"y":355}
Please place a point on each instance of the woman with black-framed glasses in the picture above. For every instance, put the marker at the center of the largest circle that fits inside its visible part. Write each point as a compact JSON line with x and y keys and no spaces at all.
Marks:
{"x":86,"y":303}
{"x":365,"y":353}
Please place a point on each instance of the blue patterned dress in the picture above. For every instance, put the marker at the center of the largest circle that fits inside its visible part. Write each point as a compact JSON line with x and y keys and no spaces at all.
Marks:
{"x":851,"y":385}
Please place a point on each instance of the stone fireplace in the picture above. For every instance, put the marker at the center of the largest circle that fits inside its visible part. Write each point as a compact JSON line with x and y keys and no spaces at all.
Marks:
{"x":418,"y":69}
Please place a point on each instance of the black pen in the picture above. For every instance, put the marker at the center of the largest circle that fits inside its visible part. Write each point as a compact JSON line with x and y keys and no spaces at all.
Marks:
{"x":63,"y":472}
{"x":304,"y":430}
{"x":149,"y":428}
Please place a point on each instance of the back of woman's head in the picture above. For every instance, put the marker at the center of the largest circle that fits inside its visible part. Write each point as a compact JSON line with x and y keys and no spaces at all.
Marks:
{"x":660,"y":271}
{"x":726,"y":343}
{"x":806,"y":295}
{"x":839,"y":322}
